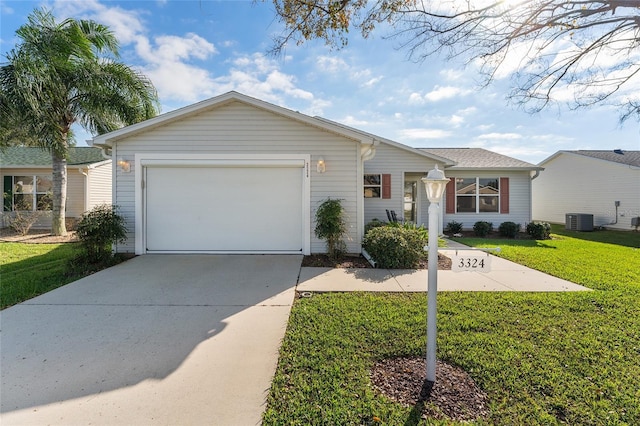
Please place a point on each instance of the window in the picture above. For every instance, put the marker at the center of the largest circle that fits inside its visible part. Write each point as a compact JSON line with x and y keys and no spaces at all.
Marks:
{"x":372,"y":186}
{"x":477,"y":195}
{"x":27,"y":193}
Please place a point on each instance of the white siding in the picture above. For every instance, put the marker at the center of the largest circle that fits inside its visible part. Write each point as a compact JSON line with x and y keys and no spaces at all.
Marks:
{"x":572,"y":183}
{"x":238,"y":128}
{"x":519,"y":200}
{"x":100,"y":183}
{"x":75,"y":192}
{"x":397,"y":162}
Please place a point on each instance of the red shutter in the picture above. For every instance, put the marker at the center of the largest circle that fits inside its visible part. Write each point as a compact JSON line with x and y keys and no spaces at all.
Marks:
{"x":450,"y":196}
{"x":504,"y":195}
{"x":386,"y":186}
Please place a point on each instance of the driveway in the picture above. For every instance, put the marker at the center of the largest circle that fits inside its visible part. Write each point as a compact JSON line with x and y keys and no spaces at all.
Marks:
{"x":160,"y":339}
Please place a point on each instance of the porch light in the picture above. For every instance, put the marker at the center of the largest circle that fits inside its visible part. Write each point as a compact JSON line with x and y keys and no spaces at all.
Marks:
{"x":320,"y":167}
{"x":434,"y":183}
{"x":124,"y":165}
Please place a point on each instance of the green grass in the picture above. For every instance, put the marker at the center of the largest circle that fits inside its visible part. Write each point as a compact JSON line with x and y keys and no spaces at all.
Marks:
{"x":542,"y":358}
{"x":29,"y":270}
{"x":602,"y":260}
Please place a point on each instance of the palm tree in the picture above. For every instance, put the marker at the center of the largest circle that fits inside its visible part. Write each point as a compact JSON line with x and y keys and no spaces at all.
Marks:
{"x":67,"y":73}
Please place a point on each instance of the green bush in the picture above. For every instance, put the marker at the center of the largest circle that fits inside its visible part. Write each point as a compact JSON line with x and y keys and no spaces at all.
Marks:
{"x":482,"y":228}
{"x":509,"y":229}
{"x":539,"y":230}
{"x":396,"y":246}
{"x":330,"y":226}
{"x":454,"y":227}
{"x":375,"y":223}
{"x":98,"y":230}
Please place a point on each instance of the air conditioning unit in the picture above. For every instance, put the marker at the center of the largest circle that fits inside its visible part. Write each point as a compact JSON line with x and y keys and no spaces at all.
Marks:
{"x":579,"y":222}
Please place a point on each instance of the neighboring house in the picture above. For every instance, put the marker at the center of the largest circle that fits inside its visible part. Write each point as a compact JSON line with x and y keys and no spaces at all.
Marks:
{"x":605,"y":184}
{"x":26,"y":173}
{"x":234,"y":174}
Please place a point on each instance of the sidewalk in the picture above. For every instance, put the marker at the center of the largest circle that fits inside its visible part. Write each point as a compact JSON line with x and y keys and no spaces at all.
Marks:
{"x":503,"y":276}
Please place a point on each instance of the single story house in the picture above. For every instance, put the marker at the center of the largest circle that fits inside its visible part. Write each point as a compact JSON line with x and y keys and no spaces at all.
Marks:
{"x":234,"y":174}
{"x":605,"y":184}
{"x":26,"y":176}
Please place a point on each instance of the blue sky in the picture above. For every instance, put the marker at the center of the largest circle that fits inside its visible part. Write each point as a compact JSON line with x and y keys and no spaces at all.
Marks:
{"x":193,"y":50}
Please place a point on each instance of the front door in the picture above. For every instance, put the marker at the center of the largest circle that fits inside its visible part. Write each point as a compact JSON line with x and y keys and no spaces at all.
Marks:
{"x":410,"y":201}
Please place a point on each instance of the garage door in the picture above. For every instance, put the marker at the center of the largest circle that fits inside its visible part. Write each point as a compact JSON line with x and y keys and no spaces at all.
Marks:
{"x":246,"y":208}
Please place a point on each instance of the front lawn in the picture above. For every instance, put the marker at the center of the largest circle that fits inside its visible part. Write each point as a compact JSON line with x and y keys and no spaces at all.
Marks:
{"x":542,"y":358}
{"x":603,"y":260}
{"x":29,"y":270}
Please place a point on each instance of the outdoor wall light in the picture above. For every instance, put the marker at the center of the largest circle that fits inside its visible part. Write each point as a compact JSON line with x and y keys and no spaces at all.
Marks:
{"x":124,"y":165}
{"x":321,"y":167}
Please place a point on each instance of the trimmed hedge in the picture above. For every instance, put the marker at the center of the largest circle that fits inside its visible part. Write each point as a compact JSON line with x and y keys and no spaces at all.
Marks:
{"x":396,"y":247}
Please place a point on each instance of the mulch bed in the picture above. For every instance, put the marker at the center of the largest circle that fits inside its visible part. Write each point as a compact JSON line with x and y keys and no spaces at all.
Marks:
{"x":453,"y":396}
{"x":36,"y":236}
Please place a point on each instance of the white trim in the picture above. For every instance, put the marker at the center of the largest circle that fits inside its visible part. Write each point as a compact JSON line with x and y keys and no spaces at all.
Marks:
{"x":144,"y":160}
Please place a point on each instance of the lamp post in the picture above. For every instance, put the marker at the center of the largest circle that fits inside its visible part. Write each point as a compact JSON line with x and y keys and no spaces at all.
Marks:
{"x":434,"y":183}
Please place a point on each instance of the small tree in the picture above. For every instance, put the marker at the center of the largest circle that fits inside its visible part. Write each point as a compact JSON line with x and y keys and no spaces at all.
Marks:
{"x":330,"y":226}
{"x":98,"y":230}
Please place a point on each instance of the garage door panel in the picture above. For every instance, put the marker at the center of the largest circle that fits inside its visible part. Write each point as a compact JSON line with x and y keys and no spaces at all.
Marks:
{"x":244,"y":209}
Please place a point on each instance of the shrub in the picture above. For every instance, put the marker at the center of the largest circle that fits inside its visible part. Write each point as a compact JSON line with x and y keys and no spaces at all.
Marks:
{"x":482,"y":228}
{"x":396,"y":246}
{"x":539,"y":230}
{"x":375,"y":223}
{"x":454,"y":227}
{"x":509,"y":229}
{"x":330,"y":226}
{"x":98,"y":230}
{"x":22,"y":221}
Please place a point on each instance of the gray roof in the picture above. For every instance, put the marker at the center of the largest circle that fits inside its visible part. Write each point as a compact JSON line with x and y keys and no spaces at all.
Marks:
{"x":630,"y":158}
{"x":20,"y":156}
{"x":479,"y":158}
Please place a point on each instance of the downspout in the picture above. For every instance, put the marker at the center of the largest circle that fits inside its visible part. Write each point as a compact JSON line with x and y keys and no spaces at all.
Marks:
{"x":367,"y":152}
{"x":535,"y":175}
{"x":82,"y":171}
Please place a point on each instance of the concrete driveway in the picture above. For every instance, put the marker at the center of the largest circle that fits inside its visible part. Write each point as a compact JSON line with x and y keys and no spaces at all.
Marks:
{"x":160,"y":339}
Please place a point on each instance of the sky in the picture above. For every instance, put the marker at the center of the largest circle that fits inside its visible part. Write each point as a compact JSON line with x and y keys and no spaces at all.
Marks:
{"x":195,"y":50}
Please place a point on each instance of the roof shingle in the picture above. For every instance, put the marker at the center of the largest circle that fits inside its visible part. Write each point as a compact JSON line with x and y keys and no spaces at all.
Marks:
{"x":479,"y":158}
{"x":630,"y":158}
{"x":17,"y":156}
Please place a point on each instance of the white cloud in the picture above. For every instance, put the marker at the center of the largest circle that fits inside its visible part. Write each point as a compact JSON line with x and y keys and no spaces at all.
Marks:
{"x":424,"y":134}
{"x":350,"y":120}
{"x":500,"y":136}
{"x":126,"y":24}
{"x":451,"y":74}
{"x":331,"y":65}
{"x":338,"y":66}
{"x":484,"y":127}
{"x":440,"y":93}
{"x":167,"y":65}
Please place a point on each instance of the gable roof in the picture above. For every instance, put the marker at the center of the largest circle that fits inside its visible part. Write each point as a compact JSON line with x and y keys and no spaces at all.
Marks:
{"x":433,"y":156}
{"x":480,"y":159}
{"x":629,"y":158}
{"x":22,"y":156}
{"x":108,"y":138}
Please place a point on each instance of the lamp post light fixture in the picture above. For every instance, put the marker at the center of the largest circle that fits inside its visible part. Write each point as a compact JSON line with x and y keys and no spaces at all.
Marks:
{"x":435,"y":182}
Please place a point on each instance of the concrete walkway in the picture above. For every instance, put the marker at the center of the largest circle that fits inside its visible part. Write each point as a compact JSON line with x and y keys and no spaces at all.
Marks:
{"x":157,"y":340}
{"x":503,"y":276}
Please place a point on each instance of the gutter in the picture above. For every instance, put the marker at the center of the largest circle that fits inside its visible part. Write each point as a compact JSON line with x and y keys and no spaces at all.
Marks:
{"x":106,"y":149}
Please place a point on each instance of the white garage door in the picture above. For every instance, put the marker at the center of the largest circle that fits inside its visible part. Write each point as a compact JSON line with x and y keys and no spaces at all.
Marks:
{"x":253,"y":208}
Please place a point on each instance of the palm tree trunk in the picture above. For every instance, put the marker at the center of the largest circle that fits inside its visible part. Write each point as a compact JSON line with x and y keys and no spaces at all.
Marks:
{"x":58,"y":225}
